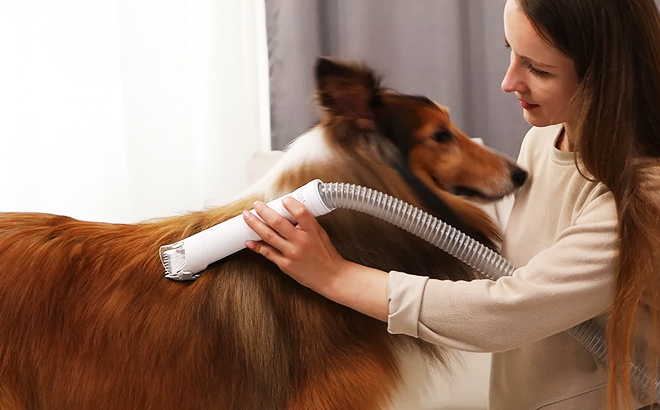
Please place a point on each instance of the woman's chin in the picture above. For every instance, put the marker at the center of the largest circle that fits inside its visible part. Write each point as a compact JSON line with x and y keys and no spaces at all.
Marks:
{"x":536,"y":120}
{"x":540,"y":119}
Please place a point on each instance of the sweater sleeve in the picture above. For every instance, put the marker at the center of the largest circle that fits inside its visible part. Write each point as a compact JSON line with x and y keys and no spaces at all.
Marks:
{"x":566,"y":284}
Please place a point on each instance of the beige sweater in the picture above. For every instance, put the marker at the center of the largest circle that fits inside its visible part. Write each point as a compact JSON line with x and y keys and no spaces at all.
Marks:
{"x":562,"y":236}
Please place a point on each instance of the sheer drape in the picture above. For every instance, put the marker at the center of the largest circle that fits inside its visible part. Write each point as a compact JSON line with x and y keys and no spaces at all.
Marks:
{"x":122,"y":110}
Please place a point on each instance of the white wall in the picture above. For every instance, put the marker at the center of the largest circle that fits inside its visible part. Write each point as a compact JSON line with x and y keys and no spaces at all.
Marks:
{"x":123,"y":110}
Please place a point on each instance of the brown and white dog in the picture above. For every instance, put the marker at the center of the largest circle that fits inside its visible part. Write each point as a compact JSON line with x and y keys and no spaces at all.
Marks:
{"x":87,"y":320}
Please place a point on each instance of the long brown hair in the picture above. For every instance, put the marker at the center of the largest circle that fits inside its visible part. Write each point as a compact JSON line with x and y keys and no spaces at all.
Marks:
{"x":615,"y":45}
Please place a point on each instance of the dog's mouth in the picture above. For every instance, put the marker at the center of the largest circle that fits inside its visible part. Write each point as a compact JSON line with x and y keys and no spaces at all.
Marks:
{"x":466,"y":191}
{"x":473,"y":193}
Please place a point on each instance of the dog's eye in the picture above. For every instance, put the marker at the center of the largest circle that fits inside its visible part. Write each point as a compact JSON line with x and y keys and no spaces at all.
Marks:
{"x":442,"y":136}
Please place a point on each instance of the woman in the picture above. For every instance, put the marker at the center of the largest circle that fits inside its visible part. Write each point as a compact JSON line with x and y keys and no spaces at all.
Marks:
{"x":584,"y":230}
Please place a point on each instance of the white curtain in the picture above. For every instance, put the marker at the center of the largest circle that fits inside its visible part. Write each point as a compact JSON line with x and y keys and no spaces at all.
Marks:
{"x":125,"y":110}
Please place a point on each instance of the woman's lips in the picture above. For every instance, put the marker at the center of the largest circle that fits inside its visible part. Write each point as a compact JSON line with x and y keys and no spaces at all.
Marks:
{"x":527,"y":106}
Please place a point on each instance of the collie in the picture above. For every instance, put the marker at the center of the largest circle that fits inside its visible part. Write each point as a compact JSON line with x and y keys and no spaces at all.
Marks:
{"x":88,"y":321}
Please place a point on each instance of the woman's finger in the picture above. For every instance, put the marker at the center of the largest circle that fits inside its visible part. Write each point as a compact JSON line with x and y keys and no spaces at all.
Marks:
{"x":306,"y":221}
{"x":267,"y":251}
{"x":265,"y":232}
{"x":276,"y":221}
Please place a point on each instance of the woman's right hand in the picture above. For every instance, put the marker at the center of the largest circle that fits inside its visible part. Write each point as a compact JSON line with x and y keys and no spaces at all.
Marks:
{"x":303,"y":252}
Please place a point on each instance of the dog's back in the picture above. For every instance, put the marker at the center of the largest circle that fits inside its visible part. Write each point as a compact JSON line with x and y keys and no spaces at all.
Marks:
{"x":89,"y":322}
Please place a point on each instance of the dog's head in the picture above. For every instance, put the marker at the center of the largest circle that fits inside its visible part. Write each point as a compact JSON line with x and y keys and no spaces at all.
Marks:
{"x":423,"y":139}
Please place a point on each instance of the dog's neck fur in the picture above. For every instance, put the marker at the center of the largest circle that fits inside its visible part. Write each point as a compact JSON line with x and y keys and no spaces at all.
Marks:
{"x":435,"y":205}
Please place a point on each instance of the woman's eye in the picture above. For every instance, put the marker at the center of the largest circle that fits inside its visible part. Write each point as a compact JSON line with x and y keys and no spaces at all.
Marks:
{"x":536,"y":72}
{"x":442,"y":136}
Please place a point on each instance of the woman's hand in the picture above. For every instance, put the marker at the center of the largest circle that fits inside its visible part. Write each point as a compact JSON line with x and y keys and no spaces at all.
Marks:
{"x":303,"y":252}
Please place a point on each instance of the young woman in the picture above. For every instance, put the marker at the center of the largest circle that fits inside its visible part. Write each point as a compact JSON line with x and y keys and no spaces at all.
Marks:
{"x":584,"y":230}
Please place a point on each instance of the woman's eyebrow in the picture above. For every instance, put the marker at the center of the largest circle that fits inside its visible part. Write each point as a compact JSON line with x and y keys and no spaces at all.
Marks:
{"x":537,"y":62}
{"x":531,"y":60}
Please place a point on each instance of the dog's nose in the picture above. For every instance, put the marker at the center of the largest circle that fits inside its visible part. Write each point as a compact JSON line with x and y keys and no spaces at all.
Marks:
{"x":518,"y":176}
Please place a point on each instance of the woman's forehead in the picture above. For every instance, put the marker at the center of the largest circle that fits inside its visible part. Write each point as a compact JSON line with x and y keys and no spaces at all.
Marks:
{"x":524,"y":39}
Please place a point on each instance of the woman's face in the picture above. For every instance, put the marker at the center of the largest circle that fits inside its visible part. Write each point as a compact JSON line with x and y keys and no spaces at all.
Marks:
{"x":542,"y":77}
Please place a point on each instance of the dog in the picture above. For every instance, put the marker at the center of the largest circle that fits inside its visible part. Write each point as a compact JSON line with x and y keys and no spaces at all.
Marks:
{"x":89,"y":322}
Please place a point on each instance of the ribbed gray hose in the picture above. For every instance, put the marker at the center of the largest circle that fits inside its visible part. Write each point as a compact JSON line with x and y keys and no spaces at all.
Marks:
{"x":417,"y":222}
{"x":469,"y":251}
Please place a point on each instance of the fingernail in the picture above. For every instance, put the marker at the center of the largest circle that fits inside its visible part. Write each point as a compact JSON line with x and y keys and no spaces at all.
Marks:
{"x":250,"y":245}
{"x":256,"y":203}
{"x":246,"y":215}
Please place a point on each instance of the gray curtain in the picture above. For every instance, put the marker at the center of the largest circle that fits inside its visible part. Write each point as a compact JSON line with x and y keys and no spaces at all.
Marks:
{"x":449,"y":50}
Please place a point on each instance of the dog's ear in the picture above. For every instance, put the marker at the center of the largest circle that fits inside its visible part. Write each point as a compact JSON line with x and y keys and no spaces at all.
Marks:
{"x":347,"y":92}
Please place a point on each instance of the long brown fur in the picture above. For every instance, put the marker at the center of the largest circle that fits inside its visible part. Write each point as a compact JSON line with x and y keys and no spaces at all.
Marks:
{"x":88,"y":321}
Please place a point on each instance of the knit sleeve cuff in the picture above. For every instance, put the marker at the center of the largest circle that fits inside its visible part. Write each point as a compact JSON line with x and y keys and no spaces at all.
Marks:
{"x":404,"y":298}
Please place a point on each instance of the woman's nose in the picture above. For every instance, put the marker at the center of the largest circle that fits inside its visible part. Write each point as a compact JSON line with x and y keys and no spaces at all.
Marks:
{"x":513,"y":80}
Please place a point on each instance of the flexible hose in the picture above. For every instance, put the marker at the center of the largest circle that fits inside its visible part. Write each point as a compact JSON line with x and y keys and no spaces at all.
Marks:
{"x":469,"y":251}
{"x":417,"y":222}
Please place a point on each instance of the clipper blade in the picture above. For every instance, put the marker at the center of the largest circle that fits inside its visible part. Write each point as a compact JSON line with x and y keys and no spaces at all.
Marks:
{"x":173,"y":258}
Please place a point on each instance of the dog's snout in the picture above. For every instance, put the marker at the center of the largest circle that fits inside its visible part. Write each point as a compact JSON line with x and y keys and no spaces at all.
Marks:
{"x":518,"y":176}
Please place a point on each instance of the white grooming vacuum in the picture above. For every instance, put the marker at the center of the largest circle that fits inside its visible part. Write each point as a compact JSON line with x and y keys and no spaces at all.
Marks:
{"x":184,"y":260}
